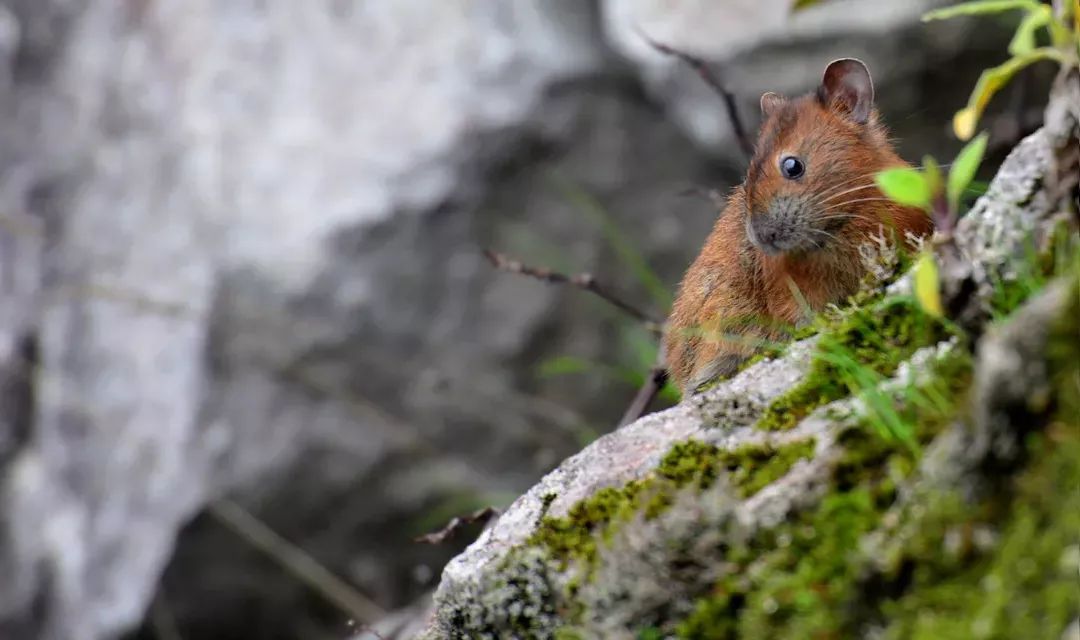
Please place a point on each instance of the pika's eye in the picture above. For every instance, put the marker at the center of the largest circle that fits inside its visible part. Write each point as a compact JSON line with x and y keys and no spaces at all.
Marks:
{"x":791,"y":167}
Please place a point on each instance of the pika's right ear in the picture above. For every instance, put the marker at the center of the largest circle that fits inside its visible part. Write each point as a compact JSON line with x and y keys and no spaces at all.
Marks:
{"x":770,"y":102}
{"x":846,"y":85}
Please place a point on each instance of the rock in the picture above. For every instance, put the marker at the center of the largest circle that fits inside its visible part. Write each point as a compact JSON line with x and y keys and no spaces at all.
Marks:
{"x":628,"y":567}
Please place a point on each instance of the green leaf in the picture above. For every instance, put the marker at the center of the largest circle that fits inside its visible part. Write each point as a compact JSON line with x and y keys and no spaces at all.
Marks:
{"x":977,"y":188}
{"x":905,"y":185}
{"x":799,"y":5}
{"x":1023,"y":41}
{"x":993,"y":79}
{"x":964,"y":168}
{"x":928,"y":285}
{"x":979,"y":7}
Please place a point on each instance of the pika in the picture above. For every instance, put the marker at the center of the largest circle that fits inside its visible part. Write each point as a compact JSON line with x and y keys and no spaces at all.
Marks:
{"x":789,"y":235}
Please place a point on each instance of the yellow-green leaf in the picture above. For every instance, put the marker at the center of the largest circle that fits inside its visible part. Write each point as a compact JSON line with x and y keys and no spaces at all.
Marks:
{"x":1024,"y":39}
{"x":963,"y":123}
{"x":927,"y":284}
{"x":979,"y":7}
{"x":904,"y":185}
{"x":799,"y":5}
{"x":964,"y":167}
{"x":990,"y":81}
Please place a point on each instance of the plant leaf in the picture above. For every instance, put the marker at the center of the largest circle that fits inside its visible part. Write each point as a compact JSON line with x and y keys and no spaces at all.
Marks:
{"x":927,"y":284}
{"x":964,"y":122}
{"x":979,"y":7}
{"x":799,"y":5}
{"x":990,"y":81}
{"x":905,"y":185}
{"x":1023,"y":40}
{"x":964,"y":168}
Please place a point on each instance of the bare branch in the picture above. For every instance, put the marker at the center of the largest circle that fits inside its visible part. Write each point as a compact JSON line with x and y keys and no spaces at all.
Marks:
{"x":456,"y":524}
{"x":655,"y":381}
{"x":711,"y":78}
{"x":583,"y":281}
{"x":296,"y":561}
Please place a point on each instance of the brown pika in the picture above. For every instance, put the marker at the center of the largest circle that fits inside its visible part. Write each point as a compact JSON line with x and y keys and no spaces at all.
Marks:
{"x":789,"y":236}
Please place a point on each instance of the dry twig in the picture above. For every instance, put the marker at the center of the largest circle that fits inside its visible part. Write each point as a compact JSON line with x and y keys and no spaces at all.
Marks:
{"x":583,"y":281}
{"x":456,"y":524}
{"x":296,"y":562}
{"x":654,"y":382}
{"x":711,"y":78}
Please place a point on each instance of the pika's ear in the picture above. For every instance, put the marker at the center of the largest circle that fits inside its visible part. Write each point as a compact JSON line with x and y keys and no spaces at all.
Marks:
{"x":846,"y":85}
{"x":770,"y":102}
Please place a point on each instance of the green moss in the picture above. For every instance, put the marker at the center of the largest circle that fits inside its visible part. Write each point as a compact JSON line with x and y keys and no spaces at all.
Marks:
{"x":804,"y":578}
{"x":799,"y":581}
{"x":1034,"y":268}
{"x":575,"y":536}
{"x":690,"y":461}
{"x":589,"y":523}
{"x":874,"y":339}
{"x":1026,"y":585}
{"x":750,"y":469}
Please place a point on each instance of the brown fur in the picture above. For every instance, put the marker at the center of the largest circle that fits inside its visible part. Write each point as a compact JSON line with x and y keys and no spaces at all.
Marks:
{"x":734,"y":293}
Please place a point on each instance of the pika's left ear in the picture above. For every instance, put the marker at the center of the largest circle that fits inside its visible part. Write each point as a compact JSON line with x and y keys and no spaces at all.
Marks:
{"x":847,"y":85}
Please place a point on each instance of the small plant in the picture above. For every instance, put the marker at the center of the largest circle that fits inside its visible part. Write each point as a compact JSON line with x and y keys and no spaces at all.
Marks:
{"x":1063,"y":32}
{"x":940,"y":197}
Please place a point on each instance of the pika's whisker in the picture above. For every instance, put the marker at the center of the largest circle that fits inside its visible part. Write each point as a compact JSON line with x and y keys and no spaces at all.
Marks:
{"x":842,"y":216}
{"x":849,"y":202}
{"x":841,"y":185}
{"x":846,"y":192}
{"x":826,"y":233}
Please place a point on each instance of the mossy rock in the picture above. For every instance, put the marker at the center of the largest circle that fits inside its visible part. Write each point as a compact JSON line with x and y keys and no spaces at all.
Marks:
{"x":927,"y":491}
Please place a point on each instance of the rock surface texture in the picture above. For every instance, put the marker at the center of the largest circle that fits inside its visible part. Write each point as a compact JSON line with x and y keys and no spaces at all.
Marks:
{"x":240,"y":253}
{"x":783,"y":504}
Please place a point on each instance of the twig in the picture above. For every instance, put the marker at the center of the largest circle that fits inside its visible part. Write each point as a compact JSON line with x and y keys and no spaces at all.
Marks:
{"x":712,"y":79}
{"x":583,"y":281}
{"x":456,"y":524}
{"x":296,"y":562}
{"x":654,"y":382}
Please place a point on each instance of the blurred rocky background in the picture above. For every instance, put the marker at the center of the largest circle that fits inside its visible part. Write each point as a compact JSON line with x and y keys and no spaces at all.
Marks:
{"x":249,"y":345}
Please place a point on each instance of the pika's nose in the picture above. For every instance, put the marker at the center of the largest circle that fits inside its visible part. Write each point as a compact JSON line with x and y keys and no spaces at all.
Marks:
{"x":765,"y":233}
